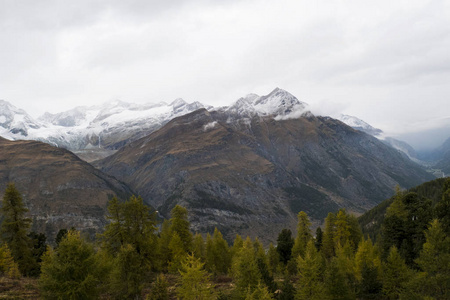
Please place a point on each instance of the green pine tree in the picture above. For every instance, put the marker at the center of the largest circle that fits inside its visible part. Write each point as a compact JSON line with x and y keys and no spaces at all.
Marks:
{"x":395,"y":275}
{"x":303,"y":235}
{"x":128,"y":274}
{"x":328,"y":236}
{"x":310,"y":270}
{"x":245,"y":270}
{"x":8,"y":267}
{"x":72,"y":271}
{"x":178,"y":254}
{"x":259,"y":293}
{"x":14,"y":230}
{"x":159,"y":290}
{"x":180,"y":225}
{"x":285,"y":242}
{"x":195,"y":282}
{"x":198,"y":247}
{"x":434,"y":263}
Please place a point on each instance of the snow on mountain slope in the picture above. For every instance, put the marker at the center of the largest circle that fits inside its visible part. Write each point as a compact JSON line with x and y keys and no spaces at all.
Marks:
{"x":279,"y":104}
{"x":107,"y":127}
{"x":15,"y":122}
{"x":360,"y":125}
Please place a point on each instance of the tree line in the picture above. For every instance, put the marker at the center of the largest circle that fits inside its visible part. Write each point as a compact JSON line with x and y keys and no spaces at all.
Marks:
{"x":133,"y":259}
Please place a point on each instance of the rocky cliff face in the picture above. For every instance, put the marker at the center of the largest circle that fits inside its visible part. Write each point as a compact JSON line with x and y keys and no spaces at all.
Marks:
{"x":58,"y":188}
{"x":253,"y":175}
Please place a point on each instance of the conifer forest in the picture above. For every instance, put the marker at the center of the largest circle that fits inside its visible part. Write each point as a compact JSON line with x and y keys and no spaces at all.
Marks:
{"x":398,"y":250}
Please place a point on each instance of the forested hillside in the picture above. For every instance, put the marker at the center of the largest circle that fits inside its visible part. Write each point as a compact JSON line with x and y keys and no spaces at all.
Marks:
{"x":132,"y":259}
{"x":372,"y":220}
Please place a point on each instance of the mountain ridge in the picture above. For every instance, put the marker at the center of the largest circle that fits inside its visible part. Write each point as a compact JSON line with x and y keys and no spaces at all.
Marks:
{"x":240,"y":173}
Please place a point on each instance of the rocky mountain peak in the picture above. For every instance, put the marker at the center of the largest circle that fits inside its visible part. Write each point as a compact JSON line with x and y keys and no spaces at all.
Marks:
{"x":15,"y":121}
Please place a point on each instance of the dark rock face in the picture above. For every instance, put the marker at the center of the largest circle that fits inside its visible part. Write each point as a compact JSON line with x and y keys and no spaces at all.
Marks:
{"x":252,"y":176}
{"x":58,"y":188}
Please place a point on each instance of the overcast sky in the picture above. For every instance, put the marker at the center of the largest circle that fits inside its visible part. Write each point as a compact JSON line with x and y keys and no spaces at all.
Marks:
{"x":387,"y":62}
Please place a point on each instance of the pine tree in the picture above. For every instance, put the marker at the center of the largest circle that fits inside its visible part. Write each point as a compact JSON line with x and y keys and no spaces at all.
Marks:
{"x":319,"y":238}
{"x":72,"y":271}
{"x":395,"y":275}
{"x":131,"y":223}
{"x":238,"y":243}
{"x":195,"y":283}
{"x":285,"y":242}
{"x":8,"y":267}
{"x":218,"y":253}
{"x":340,"y":278}
{"x":38,"y":247}
{"x":273,"y":258}
{"x":367,"y":269}
{"x":198,"y":247}
{"x":259,"y":293}
{"x":160,"y":289}
{"x":310,"y":270}
{"x":336,"y":285}
{"x":403,"y":227}
{"x":366,"y":256}
{"x":287,"y":289}
{"x":434,"y":262}
{"x":244,"y":267}
{"x":164,"y":254}
{"x":180,"y":225}
{"x":342,"y":231}
{"x":178,"y":254}
{"x":128,"y":274}
{"x":263,"y":266}
{"x":303,"y":235}
{"x":14,"y":229}
{"x":328,"y":236}
{"x":442,"y":208}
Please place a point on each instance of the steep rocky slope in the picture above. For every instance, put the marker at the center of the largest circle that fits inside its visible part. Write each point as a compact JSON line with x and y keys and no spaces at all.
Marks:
{"x":253,"y":175}
{"x":58,"y":188}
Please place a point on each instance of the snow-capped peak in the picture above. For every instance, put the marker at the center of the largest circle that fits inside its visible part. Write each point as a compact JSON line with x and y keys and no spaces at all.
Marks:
{"x":360,"y":125}
{"x":15,"y":121}
{"x":279,"y":103}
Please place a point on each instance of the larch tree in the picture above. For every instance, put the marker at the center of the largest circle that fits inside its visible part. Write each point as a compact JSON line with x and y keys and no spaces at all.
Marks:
{"x":195,"y":282}
{"x":8,"y":267}
{"x":131,"y":223}
{"x":198,"y":247}
{"x":72,"y":271}
{"x":273,"y":258}
{"x":303,"y":235}
{"x":342,"y":231}
{"x":218,"y":253}
{"x":178,"y":254}
{"x":395,"y":275}
{"x":14,"y":229}
{"x":328,"y":236}
{"x":259,"y":293}
{"x":310,"y":270}
{"x":179,"y":224}
{"x":128,"y":274}
{"x":434,"y":262}
{"x":245,"y":270}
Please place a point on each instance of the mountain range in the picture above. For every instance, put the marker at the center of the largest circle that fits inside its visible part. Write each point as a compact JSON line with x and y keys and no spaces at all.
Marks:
{"x":247,"y":168}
